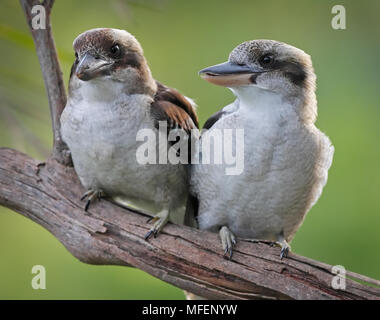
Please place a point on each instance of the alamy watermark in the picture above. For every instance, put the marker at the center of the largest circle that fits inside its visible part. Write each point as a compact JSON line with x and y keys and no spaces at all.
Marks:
{"x":217,"y":146}
{"x":39,"y":280}
{"x":338,"y":282}
{"x":39,"y":18}
{"x":338,"y":22}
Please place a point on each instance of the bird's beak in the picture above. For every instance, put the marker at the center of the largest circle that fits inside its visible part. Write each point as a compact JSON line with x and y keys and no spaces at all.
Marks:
{"x":91,"y":66}
{"x":228,"y":74}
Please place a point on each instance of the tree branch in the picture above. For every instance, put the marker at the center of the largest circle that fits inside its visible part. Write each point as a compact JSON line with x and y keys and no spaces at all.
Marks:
{"x":187,"y":258}
{"x":52,"y":74}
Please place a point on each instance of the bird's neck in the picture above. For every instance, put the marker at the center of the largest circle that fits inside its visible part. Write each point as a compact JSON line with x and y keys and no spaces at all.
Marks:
{"x":102,"y":90}
{"x":257,"y":101}
{"x":255,"y":97}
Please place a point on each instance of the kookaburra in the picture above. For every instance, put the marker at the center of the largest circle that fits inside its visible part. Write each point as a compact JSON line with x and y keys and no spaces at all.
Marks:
{"x":112,"y":95}
{"x":286,"y":157}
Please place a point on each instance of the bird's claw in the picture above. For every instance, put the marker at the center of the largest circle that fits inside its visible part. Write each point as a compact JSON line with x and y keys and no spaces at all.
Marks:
{"x":228,"y":253}
{"x":90,"y":195}
{"x":160,"y":220}
{"x":149,"y":234}
{"x":285,"y":248}
{"x":284,"y":252}
{"x":228,"y":242}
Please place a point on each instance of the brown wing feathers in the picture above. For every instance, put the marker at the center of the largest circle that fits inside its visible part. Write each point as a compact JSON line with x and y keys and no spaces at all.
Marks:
{"x":173,"y":107}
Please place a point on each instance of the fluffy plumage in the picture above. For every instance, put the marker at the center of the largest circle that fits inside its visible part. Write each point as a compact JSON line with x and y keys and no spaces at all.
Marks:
{"x":286,"y":157}
{"x":112,"y":95}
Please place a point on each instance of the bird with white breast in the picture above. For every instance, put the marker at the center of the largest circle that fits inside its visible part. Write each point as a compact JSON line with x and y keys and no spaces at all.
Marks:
{"x":286,"y":157}
{"x":112,"y":95}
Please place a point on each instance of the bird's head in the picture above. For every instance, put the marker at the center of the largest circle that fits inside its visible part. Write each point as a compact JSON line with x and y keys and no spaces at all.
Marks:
{"x":105,"y":54}
{"x":265,"y":64}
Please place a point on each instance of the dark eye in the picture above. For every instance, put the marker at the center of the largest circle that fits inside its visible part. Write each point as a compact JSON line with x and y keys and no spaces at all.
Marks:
{"x":76,"y":57}
{"x":266,"y":60}
{"x":115,"y":50}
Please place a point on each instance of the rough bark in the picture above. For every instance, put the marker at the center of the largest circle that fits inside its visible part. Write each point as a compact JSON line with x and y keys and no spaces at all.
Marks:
{"x":52,"y":74}
{"x":187,"y":258}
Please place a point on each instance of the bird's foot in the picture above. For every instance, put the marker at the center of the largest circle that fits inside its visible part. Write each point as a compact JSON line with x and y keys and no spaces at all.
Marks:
{"x":228,"y":242}
{"x":90,"y":196}
{"x":160,"y":220}
{"x":285,"y":248}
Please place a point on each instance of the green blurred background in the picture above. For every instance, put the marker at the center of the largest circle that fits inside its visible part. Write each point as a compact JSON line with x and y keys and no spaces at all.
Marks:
{"x":180,"y":38}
